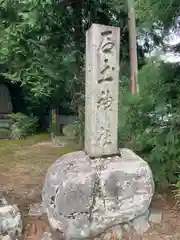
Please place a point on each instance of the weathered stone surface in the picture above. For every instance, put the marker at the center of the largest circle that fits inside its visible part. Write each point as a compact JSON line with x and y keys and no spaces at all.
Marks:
{"x":70,"y":130}
{"x":141,"y":224}
{"x":6,"y":123}
{"x":10,"y":221}
{"x":68,"y":190}
{"x":5,"y":100}
{"x":3,"y":201}
{"x":102,"y":84}
{"x":7,"y":237}
{"x":84,"y":197}
{"x":5,"y":133}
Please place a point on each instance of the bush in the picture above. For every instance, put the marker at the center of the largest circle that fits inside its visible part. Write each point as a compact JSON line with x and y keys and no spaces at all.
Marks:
{"x":153,"y":118}
{"x":177,"y":192}
{"x":23,"y":125}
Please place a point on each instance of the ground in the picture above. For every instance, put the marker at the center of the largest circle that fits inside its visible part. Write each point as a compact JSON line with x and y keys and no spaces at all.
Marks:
{"x":23,"y":165}
{"x":170,"y":227}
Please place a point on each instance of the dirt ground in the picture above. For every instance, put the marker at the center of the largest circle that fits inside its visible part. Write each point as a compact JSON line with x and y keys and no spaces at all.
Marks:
{"x":23,"y":165}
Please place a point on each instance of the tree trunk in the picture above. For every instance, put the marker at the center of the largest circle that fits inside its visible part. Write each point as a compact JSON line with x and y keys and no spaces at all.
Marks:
{"x":78,"y":38}
{"x":133,"y":48}
{"x":133,"y":56}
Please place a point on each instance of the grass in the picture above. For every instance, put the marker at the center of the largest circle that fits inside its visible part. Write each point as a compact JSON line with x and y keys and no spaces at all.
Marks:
{"x":24,"y":163}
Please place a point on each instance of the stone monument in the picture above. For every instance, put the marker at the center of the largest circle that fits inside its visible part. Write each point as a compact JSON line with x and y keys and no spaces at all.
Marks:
{"x":102,"y":84}
{"x":5,"y":109}
{"x":5,"y":100}
{"x":87,"y":192}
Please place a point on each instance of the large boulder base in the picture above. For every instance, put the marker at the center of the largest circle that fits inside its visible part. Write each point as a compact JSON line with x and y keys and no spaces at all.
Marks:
{"x":83,"y":197}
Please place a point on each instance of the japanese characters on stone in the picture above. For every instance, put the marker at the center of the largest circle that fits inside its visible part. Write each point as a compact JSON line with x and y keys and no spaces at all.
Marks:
{"x":101,"y":105}
{"x":105,"y":97}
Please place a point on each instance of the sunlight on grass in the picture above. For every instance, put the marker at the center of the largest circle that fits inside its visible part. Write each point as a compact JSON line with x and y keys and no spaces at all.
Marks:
{"x":7,"y":147}
{"x":28,"y":151}
{"x":24,"y":142}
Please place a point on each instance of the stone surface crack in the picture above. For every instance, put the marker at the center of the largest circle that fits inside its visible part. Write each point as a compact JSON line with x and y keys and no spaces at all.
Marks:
{"x":94,"y":194}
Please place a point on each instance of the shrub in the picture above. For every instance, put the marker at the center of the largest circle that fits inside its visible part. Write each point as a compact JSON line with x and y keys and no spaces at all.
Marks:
{"x":177,"y":192}
{"x":23,"y":125}
{"x":154,"y":119}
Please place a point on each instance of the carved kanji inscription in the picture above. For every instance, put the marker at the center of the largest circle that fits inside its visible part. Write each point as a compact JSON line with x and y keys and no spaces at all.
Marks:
{"x":106,"y":47}
{"x":107,"y":44}
{"x":105,"y":100}
{"x":104,"y":137}
{"x":106,"y":73}
{"x":101,"y":98}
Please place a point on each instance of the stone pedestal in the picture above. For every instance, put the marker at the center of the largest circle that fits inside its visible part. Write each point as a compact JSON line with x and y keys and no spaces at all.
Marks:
{"x":84,"y":197}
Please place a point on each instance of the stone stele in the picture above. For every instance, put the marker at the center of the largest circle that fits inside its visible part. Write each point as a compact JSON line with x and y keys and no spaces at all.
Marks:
{"x":5,"y":100}
{"x":83,"y":197}
{"x":101,"y":93}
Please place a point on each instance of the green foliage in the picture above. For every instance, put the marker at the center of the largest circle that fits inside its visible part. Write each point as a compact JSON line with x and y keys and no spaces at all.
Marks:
{"x":153,"y":118}
{"x":177,"y":192}
{"x":42,"y":48}
{"x":23,"y":125}
{"x":41,"y":42}
{"x":36,"y":50}
{"x":153,"y":11}
{"x":158,"y":20}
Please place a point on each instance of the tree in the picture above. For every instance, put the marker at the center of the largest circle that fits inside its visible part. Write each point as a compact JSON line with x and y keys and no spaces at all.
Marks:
{"x":42,"y":47}
{"x":42,"y":43}
{"x":133,"y":47}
